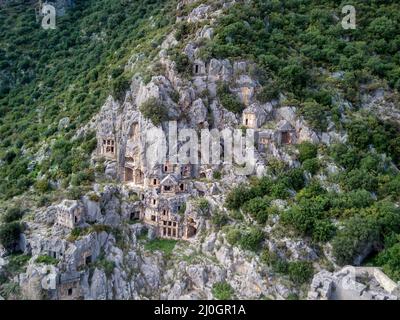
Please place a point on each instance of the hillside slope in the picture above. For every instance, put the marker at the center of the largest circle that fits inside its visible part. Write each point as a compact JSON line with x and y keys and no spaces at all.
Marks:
{"x":84,"y":207}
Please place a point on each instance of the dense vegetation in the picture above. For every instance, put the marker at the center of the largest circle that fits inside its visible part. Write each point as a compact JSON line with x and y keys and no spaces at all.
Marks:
{"x":302,"y":51}
{"x":289,"y":39}
{"x":366,"y":206}
{"x":47,"y":75}
{"x":11,"y":228}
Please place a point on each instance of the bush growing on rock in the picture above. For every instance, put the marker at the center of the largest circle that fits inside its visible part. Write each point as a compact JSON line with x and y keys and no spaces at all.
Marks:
{"x":307,"y":150}
{"x":43,"y":201}
{"x":107,"y":265}
{"x":154,"y":110}
{"x":251,"y":239}
{"x":182,"y":63}
{"x":272,"y":260}
{"x":353,"y":199}
{"x":292,"y":296}
{"x":74,"y":193}
{"x":17,"y":264}
{"x":233,"y":236}
{"x":228,"y":100}
{"x":219,"y":219}
{"x":222,"y":291}
{"x":359,"y":179}
{"x":300,"y":271}
{"x":268,"y":93}
{"x":313,"y":189}
{"x":75,"y":234}
{"x":294,"y":179}
{"x":305,"y":215}
{"x":368,"y":130}
{"x":82,"y":177}
{"x":315,"y":114}
{"x":119,"y":86}
{"x":266,"y":256}
{"x":280,"y":190}
{"x":203,"y":206}
{"x":46,"y":259}
{"x":164,"y":245}
{"x":391,"y":187}
{"x":262,"y":186}
{"x":182,"y":30}
{"x":217,"y":175}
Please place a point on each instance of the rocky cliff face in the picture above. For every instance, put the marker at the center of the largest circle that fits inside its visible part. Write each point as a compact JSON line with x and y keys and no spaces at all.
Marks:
{"x":108,"y":252}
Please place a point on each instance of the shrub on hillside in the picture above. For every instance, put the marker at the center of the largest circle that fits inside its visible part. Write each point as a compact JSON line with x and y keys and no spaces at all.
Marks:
{"x":222,"y":291}
{"x":119,"y":86}
{"x":251,"y":239}
{"x":304,"y":216}
{"x":46,"y":259}
{"x":359,"y":179}
{"x":219,"y":219}
{"x":323,"y":230}
{"x":182,"y":63}
{"x":357,"y":235}
{"x":311,"y":165}
{"x":42,"y":185}
{"x":315,"y":114}
{"x":307,"y":150}
{"x":257,"y":208}
{"x":9,"y":235}
{"x":293,"y":179}
{"x":203,"y":206}
{"x":268,"y":93}
{"x":279,"y":190}
{"x":233,"y":236}
{"x":300,"y":271}
{"x":238,"y":196}
{"x":12,"y":214}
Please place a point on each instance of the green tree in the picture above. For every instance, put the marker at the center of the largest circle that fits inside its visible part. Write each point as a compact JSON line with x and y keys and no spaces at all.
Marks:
{"x":358,"y":234}
{"x":9,"y":235}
